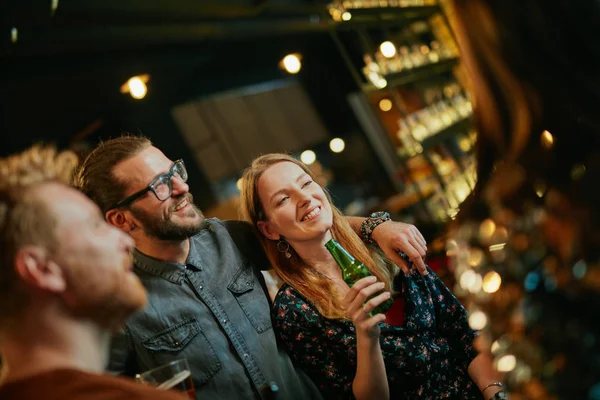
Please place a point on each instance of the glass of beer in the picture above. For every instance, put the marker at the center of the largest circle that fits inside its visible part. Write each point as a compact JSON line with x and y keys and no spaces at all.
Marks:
{"x":175,"y":375}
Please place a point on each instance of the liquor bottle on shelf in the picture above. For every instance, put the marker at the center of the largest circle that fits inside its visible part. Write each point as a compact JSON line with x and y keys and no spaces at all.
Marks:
{"x":417,"y":129}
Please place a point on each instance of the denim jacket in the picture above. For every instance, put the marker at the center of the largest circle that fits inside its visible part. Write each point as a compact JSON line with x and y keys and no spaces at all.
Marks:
{"x":213,"y":311}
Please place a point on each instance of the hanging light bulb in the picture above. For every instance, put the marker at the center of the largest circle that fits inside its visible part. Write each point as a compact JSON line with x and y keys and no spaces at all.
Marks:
{"x":388,"y":49}
{"x":385,"y":104}
{"x":506,"y":363}
{"x":337,"y":145}
{"x":308,"y":157}
{"x":291,"y":63}
{"x":547,"y":139}
{"x":492,"y":282}
{"x":346,"y":16}
{"x":136,"y":86}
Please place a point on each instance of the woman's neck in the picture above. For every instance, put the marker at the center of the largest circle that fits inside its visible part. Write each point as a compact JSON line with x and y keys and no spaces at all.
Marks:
{"x":315,"y":254}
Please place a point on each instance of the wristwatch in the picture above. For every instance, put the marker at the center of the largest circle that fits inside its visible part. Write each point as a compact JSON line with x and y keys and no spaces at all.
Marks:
{"x":368,"y":226}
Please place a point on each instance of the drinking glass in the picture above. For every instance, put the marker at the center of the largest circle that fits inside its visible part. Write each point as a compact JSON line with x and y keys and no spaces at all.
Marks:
{"x":175,"y":375}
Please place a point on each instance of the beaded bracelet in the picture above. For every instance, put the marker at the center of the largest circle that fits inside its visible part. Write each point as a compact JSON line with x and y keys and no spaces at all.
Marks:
{"x":368,"y":225}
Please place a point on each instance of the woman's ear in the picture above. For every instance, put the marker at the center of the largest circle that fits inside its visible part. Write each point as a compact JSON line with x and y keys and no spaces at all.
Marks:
{"x":265,"y":228}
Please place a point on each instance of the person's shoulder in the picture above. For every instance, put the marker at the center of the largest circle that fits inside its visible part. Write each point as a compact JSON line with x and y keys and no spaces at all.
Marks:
{"x":117,"y":388}
{"x":80,"y":385}
{"x":290,"y":303}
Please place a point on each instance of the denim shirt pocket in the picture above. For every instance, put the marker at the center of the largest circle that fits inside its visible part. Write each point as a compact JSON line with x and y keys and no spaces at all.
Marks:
{"x":251,"y":297}
{"x":171,"y":344}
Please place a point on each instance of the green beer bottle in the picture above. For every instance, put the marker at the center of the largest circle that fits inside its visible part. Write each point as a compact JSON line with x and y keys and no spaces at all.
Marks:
{"x":353,"y":270}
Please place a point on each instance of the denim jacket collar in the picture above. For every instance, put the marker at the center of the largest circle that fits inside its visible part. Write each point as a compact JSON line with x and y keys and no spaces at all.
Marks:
{"x":168,"y":270}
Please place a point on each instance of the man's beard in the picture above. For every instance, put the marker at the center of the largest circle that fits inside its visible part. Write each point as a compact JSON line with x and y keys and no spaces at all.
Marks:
{"x":159,"y":228}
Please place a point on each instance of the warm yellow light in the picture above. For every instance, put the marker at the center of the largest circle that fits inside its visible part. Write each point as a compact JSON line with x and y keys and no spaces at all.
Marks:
{"x":464,"y":144}
{"x":478,"y":320}
{"x":540,"y":189}
{"x":471,"y":281}
{"x":381,"y":83}
{"x":346,"y":16}
{"x":385,"y":104}
{"x":337,"y":145}
{"x":388,"y":49}
{"x":547,"y":139}
{"x":475,"y":257}
{"x":308,"y":157}
{"x":137,"y":87}
{"x":291,"y":63}
{"x":491,"y":282}
{"x":506,"y":363}
{"x":238,"y":184}
{"x":487,"y":229}
{"x":495,"y":346}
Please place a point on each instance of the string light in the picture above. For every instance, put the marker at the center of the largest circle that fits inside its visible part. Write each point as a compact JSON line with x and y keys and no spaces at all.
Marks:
{"x":491,"y":282}
{"x":308,"y":157}
{"x":388,"y":49}
{"x":487,"y":229}
{"x":506,"y":363}
{"x":291,"y":63}
{"x":385,"y":105}
{"x":136,"y":86}
{"x":337,"y":145}
{"x":381,"y":83}
{"x":346,"y":16}
{"x":478,"y":320}
{"x":547,"y":139}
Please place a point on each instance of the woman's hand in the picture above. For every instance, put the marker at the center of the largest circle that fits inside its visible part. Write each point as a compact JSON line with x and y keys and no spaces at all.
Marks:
{"x":359,"y":308}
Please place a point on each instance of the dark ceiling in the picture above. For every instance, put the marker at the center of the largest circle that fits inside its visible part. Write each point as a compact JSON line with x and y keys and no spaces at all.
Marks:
{"x":60,"y":79}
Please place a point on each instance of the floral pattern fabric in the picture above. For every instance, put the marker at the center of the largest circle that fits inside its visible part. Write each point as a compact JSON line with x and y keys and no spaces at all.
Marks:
{"x":425,"y":358}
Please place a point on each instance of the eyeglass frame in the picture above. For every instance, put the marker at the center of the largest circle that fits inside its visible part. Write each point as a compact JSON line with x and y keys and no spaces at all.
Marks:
{"x":150,"y":188}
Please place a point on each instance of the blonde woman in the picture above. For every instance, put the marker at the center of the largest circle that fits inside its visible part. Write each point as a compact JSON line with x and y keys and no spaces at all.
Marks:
{"x":326,"y":326}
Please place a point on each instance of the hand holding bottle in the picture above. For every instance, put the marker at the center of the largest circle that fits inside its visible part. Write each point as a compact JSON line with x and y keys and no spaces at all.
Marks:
{"x":359,"y":308}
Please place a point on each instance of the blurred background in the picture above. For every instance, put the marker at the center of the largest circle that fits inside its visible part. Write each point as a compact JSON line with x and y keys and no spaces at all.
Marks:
{"x":370,"y":94}
{"x":366,"y":92}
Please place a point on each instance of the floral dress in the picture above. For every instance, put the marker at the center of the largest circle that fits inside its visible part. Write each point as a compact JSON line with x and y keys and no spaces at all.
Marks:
{"x":425,"y":358}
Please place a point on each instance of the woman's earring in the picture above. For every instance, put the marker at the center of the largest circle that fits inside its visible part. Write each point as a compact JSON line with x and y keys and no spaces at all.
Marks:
{"x":284,"y":247}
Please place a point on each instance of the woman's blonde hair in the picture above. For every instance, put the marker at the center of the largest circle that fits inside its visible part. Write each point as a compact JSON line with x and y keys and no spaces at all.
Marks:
{"x":315,"y":287}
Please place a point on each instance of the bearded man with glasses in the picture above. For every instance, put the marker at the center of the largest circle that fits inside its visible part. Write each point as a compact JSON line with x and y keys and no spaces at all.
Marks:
{"x":207,"y":299}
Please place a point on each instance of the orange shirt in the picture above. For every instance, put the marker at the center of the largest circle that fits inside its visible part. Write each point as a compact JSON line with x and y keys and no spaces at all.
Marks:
{"x":62,"y":384}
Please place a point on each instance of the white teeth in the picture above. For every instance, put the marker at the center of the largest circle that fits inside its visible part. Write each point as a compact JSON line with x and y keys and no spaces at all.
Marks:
{"x":312,"y":214}
{"x":181,"y":205}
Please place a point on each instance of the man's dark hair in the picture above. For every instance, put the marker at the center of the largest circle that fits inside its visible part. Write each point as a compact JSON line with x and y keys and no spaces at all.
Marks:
{"x":95,"y":177}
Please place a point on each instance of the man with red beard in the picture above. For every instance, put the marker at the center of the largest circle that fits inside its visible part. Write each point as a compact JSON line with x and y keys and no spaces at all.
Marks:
{"x":207,"y":298}
{"x":66,"y":283}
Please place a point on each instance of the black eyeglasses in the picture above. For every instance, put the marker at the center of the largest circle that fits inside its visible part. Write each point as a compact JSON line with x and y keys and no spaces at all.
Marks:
{"x":161,"y":186}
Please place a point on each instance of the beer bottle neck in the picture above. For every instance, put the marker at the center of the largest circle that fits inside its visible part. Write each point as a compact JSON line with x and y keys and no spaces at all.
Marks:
{"x":340,"y":255}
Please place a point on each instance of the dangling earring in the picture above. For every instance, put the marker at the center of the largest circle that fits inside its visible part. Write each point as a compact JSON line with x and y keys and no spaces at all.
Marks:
{"x":285,"y":248}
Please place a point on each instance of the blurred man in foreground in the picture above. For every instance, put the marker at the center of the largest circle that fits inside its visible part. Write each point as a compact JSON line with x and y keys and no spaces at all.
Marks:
{"x":65,"y":284}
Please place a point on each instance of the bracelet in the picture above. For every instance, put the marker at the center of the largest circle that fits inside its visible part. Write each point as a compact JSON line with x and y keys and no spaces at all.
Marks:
{"x":498,"y":395}
{"x":368,"y":225}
